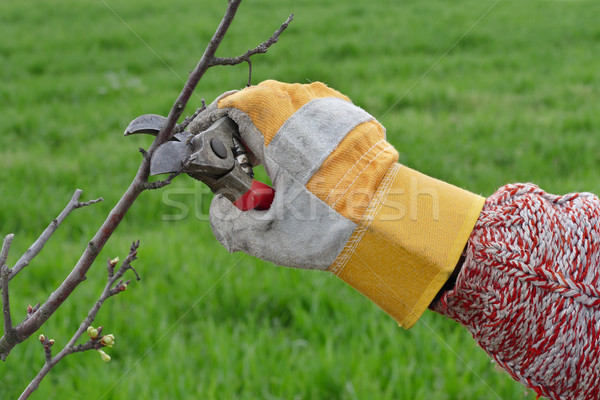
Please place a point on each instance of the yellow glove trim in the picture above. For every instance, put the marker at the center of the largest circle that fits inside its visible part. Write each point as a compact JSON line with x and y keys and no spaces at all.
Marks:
{"x":350,"y":175}
{"x":284,"y":99}
{"x":408,"y":242}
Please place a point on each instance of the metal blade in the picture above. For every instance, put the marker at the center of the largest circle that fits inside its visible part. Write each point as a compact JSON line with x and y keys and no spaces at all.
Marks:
{"x":169,"y":157}
{"x":147,"y":123}
{"x":184,"y":136}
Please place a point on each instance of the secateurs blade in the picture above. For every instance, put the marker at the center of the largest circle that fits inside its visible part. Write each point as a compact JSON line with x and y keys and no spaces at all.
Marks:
{"x":215,"y":156}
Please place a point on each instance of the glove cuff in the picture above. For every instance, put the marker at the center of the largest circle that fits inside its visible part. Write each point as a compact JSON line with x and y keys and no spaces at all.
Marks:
{"x":408,"y":242}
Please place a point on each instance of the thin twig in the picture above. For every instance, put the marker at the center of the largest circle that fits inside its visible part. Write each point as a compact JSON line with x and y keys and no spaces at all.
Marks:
{"x":5,"y":249}
{"x":47,"y":347}
{"x":181,"y":127}
{"x":249,"y":73}
{"x":106,"y":293}
{"x":87,"y":203}
{"x":131,"y":257}
{"x":262,"y":48}
{"x":160,"y":184}
{"x":39,"y":244}
{"x":4,"y":277}
{"x":145,"y":154}
{"x":113,"y":287}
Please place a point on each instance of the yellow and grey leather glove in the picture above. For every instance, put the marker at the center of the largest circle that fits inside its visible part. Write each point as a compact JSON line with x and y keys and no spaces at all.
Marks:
{"x":342,"y":202}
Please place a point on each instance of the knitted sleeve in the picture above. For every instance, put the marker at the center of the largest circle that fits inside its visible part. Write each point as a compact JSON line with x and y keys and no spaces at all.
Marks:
{"x":529,"y":289}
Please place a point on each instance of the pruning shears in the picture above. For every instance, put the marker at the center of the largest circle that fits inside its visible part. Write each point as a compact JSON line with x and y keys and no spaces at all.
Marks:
{"x":215,"y":156}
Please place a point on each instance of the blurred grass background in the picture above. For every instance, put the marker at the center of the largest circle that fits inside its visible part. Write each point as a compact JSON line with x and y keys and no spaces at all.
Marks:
{"x":477,"y":93}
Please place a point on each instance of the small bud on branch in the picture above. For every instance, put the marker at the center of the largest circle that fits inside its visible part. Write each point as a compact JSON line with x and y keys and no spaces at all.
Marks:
{"x":108,"y":340}
{"x":105,"y":357}
{"x":92,"y":332}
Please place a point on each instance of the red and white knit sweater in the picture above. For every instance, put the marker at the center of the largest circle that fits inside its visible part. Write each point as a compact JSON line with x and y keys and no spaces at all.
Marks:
{"x":529,"y":289}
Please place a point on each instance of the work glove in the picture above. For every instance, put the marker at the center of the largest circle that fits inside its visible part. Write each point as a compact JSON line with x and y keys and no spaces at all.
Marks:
{"x":342,"y":202}
{"x":528,"y":288}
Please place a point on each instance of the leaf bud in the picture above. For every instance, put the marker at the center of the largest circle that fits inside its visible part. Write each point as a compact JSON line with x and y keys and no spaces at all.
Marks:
{"x":92,"y":332}
{"x":108,"y":340}
{"x":105,"y":357}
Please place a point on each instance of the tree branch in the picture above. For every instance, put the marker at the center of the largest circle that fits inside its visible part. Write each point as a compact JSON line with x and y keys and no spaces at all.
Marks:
{"x":39,"y":244}
{"x":4,"y":278}
{"x":13,"y":335}
{"x":114,"y":286}
{"x":182,"y":126}
{"x":249,"y":73}
{"x":5,"y":249}
{"x":261,"y":48}
{"x":161,"y":184}
{"x":39,"y":316}
{"x":206,"y":61}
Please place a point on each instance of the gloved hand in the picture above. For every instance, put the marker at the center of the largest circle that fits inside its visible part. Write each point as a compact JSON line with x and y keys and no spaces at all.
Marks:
{"x":342,"y":202}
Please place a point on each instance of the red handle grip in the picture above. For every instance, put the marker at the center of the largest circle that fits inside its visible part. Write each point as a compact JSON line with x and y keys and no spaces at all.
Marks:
{"x":258,"y":197}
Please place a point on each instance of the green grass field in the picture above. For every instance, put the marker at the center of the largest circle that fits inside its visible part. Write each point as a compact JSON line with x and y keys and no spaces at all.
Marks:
{"x":477,"y":93}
